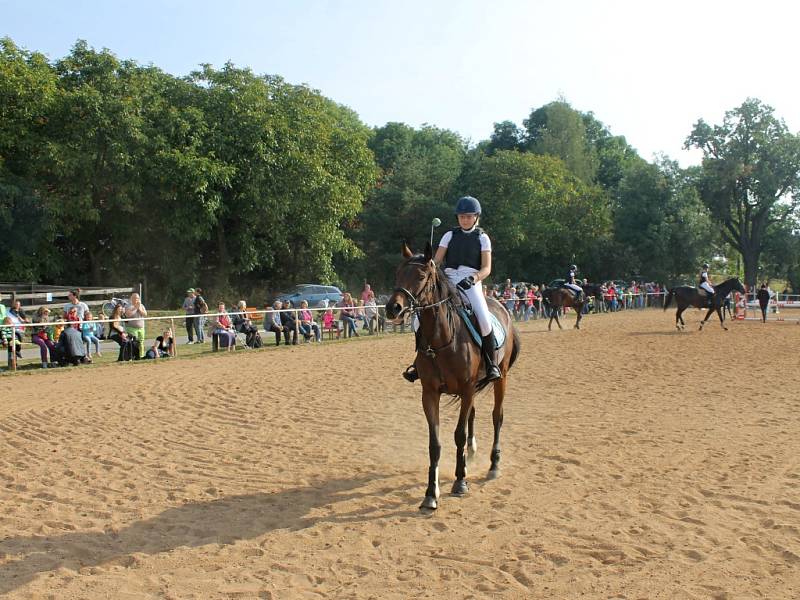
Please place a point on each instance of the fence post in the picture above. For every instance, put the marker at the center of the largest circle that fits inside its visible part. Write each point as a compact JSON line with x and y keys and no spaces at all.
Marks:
{"x":174,"y":335}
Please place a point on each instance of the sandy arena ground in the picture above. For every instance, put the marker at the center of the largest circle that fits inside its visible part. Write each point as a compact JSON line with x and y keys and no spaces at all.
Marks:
{"x":638,"y":462}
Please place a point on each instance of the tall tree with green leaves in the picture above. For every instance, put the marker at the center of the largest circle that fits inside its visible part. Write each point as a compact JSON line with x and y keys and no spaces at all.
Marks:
{"x":559,"y":130}
{"x":750,"y":176}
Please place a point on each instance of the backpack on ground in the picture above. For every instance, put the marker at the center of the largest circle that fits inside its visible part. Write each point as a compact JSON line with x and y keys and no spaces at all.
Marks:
{"x":129,"y":350}
{"x":253,"y":340}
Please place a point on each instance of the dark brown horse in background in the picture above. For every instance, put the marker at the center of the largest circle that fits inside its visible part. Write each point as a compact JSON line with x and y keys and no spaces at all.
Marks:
{"x":449,"y":362}
{"x":686,"y":296}
{"x":560,"y":298}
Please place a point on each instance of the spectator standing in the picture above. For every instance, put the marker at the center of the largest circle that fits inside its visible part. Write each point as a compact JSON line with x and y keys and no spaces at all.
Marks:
{"x":75,"y":303}
{"x":365,"y":293}
{"x":135,"y":328}
{"x":188,"y":309}
{"x":763,"y":301}
{"x":200,"y":310}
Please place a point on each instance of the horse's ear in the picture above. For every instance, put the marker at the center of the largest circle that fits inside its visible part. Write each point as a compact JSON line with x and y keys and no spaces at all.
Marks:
{"x":428,"y":252}
{"x":407,"y":253}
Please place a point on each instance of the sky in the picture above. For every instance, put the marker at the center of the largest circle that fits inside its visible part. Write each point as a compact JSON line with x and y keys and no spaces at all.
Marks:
{"x":647,"y":69}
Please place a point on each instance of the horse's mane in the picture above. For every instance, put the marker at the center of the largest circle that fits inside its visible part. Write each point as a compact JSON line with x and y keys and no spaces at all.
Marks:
{"x":444,"y":287}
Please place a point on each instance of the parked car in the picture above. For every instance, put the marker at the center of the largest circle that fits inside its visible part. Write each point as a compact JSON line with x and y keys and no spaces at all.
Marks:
{"x":317,"y":296}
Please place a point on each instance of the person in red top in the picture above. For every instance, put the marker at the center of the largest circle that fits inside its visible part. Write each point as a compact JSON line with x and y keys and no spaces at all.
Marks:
{"x":223,"y":329}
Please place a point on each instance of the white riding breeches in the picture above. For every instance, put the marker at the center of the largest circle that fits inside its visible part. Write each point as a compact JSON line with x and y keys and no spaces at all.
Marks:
{"x":473,"y":294}
{"x":574,"y":287}
{"x":707,"y":287}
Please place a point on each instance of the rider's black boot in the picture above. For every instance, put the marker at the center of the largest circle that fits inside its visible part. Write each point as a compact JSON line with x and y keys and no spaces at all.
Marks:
{"x":487,"y":349}
{"x":410,"y":374}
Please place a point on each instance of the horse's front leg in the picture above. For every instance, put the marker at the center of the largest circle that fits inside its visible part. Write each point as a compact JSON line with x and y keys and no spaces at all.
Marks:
{"x":579,"y":310}
{"x":430,"y":404}
{"x":460,"y":486}
{"x":472,"y":443}
{"x":497,"y":421}
{"x":703,"y":322}
{"x":721,"y":319}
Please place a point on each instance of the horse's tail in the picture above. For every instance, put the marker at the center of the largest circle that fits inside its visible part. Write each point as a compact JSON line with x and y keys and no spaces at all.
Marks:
{"x":669,"y":298}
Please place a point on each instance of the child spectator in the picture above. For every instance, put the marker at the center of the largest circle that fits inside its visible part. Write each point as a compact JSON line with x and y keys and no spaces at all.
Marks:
{"x":88,"y":334}
{"x":40,"y":336}
{"x":329,"y":322}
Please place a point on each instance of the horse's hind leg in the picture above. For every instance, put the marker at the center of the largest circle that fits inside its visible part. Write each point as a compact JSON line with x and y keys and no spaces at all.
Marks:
{"x":472,"y":443}
{"x":460,"y":486}
{"x":579,"y":310}
{"x":679,"y":324}
{"x":497,"y":421}
{"x":430,"y":404}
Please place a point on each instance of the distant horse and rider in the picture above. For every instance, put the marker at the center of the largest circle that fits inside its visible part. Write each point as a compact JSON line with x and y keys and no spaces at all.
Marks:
{"x":698,"y":297}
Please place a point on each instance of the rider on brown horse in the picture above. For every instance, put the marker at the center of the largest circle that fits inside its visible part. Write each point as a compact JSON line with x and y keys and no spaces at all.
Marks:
{"x":466,"y":253}
{"x":571,"y":282}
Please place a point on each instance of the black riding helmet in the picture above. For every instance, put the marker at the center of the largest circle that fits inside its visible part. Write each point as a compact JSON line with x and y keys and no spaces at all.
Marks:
{"x":467,"y":205}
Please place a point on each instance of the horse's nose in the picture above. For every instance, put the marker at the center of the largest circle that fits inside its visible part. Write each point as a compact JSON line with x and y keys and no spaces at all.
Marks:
{"x":393,"y":309}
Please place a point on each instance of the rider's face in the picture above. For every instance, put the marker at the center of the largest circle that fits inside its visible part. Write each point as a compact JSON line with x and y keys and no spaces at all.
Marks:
{"x":467,"y":221}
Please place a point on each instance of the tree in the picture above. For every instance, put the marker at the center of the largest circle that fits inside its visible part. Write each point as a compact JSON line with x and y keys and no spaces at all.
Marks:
{"x":750,"y":176}
{"x":506,"y":136}
{"x":662,"y":226}
{"x":559,"y":130}
{"x":540,"y":216}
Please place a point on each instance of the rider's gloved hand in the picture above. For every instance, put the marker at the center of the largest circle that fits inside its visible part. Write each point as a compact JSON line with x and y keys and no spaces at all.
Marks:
{"x":466,"y":283}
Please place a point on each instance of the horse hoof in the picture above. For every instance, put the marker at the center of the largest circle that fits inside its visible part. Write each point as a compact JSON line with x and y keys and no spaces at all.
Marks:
{"x":460,"y":487}
{"x":493,"y":474}
{"x":429,"y":503}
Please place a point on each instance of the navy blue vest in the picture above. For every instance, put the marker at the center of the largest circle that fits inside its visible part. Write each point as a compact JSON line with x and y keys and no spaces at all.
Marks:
{"x":464,"y":249}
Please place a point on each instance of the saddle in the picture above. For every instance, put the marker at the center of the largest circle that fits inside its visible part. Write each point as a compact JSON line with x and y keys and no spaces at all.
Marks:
{"x":468,"y":316}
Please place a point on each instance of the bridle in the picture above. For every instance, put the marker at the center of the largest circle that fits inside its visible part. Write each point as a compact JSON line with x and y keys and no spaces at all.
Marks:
{"x":417,"y":306}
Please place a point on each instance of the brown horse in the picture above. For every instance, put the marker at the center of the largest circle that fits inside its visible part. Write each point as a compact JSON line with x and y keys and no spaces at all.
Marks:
{"x":449,"y":362}
{"x":686,"y":296}
{"x":559,"y":298}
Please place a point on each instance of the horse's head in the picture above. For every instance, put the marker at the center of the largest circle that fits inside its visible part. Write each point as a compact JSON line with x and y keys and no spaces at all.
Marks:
{"x":738,"y":287}
{"x":414,"y":283}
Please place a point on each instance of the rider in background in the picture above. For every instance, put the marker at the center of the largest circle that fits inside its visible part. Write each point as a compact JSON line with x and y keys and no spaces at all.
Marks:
{"x":572,"y":282}
{"x":466,"y":254}
{"x":705,"y":284}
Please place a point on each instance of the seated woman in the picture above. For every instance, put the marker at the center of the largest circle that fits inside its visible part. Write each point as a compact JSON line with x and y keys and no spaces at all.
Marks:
{"x":241,"y":319}
{"x":308,"y":326}
{"x":41,"y":336}
{"x":222,"y":330}
{"x":116,"y":329}
{"x":163,"y":346}
{"x":348,"y":314}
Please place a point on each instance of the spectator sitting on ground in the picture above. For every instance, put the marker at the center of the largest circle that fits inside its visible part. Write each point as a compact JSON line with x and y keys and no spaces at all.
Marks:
{"x":223,"y":329}
{"x":74,"y":297}
{"x":241,"y":319}
{"x":308,"y":325}
{"x":70,"y":347}
{"x":272,"y":322}
{"x":88,"y":335}
{"x":135,"y":328}
{"x":163,"y":346}
{"x":40,"y":335}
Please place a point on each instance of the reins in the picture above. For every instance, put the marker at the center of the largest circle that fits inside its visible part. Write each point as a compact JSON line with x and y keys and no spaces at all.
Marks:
{"x":418,"y":307}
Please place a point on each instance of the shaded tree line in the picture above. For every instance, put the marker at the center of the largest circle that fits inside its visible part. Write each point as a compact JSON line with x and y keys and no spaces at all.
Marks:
{"x":115,"y":172}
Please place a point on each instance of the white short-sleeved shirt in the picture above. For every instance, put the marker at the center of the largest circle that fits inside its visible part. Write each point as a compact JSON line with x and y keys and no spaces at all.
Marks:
{"x":81,"y":308}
